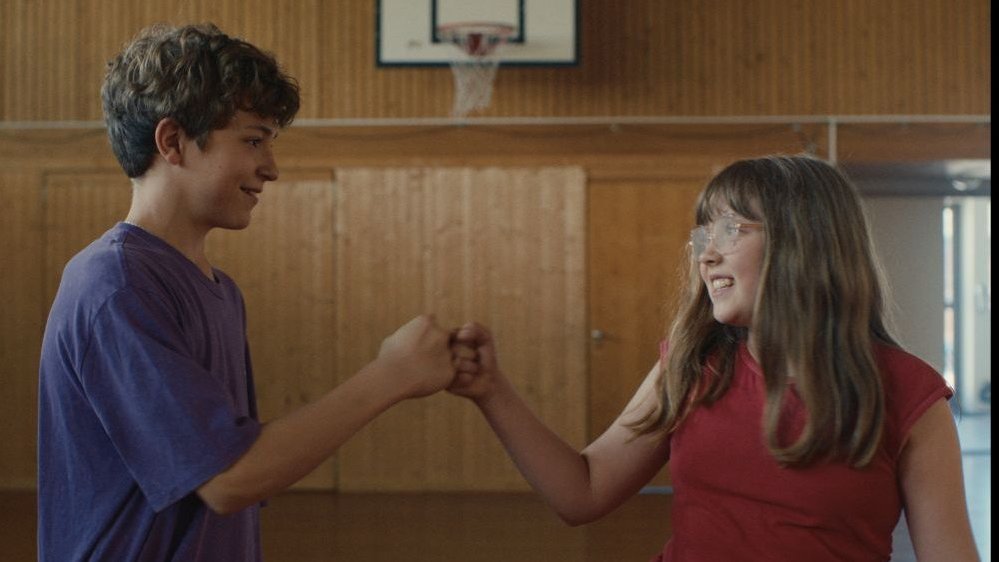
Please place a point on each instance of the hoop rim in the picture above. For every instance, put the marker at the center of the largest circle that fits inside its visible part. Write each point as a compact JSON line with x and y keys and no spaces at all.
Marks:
{"x":463,"y":28}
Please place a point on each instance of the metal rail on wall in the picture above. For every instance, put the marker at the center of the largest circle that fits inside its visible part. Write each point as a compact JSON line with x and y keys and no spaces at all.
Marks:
{"x":832,"y":122}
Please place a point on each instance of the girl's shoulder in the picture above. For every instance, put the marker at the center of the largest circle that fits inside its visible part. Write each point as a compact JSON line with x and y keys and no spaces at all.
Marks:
{"x":911,"y":386}
{"x":901,"y":368}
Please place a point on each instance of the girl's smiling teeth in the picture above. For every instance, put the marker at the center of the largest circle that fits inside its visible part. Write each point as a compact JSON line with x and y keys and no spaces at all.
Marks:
{"x":721,"y":283}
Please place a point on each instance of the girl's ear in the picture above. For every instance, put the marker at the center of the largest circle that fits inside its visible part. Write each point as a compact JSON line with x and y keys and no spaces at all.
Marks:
{"x":169,"y":137}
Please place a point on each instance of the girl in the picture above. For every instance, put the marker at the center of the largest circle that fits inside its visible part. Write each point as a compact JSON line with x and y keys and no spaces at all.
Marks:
{"x":795,"y":426}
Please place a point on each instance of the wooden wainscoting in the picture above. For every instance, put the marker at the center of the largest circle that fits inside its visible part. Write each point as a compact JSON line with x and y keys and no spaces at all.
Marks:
{"x":459,"y":527}
{"x":502,"y":246}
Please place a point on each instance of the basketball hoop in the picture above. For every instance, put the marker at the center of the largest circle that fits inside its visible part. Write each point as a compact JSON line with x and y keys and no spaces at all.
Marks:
{"x":475,"y":69}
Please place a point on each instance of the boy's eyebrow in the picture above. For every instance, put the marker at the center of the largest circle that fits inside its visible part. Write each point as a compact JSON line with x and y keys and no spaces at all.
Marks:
{"x":268,"y":131}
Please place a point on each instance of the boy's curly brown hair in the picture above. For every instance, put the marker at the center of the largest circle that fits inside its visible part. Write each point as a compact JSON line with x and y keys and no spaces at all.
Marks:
{"x":195,"y":74}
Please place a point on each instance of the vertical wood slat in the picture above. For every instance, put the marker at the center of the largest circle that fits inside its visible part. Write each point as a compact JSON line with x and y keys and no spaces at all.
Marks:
{"x":21,"y":245}
{"x":690,"y":57}
{"x":503,"y":247}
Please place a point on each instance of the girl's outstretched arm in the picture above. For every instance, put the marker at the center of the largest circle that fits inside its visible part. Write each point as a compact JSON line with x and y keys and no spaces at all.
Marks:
{"x":579,"y":486}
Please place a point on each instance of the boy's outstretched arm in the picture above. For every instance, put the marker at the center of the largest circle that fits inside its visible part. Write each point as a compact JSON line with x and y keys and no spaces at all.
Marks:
{"x":579,"y":486}
{"x":413,"y":362}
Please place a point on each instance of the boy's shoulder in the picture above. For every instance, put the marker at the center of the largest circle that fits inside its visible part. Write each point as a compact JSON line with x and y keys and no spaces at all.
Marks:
{"x":123,"y":258}
{"x":128,"y":263}
{"x":109,"y":259}
{"x":96,"y":268}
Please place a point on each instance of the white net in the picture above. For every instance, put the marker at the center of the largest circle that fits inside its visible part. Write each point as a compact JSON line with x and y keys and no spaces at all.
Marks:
{"x":475,"y":68}
{"x":473,"y":85}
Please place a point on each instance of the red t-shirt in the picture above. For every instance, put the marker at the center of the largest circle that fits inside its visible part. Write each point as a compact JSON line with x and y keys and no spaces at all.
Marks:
{"x":732,"y":501}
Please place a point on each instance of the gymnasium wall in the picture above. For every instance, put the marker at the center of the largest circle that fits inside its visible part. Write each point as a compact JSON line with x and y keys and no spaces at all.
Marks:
{"x":544,"y":231}
{"x":639,"y":57}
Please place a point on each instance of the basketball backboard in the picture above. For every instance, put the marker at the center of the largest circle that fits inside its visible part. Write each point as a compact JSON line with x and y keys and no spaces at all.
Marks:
{"x":546,"y":32}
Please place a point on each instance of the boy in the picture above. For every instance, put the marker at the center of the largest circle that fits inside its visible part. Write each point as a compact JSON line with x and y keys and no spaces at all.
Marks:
{"x":149,"y":444}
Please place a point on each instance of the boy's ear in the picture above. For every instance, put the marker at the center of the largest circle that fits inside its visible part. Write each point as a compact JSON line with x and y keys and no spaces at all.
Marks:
{"x":169,"y":136}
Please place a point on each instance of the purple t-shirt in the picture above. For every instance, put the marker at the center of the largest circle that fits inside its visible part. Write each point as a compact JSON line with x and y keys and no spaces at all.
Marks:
{"x":145,"y":393}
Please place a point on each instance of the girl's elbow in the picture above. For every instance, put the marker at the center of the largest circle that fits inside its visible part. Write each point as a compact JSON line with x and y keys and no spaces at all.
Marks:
{"x":577,"y":517}
{"x":575,"y":521}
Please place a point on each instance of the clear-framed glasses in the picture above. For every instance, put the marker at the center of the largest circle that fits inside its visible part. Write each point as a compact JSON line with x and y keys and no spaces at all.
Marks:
{"x":724,"y":232}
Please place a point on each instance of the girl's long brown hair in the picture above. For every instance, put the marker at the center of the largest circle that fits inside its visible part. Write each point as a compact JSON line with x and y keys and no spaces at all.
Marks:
{"x":819,"y":311}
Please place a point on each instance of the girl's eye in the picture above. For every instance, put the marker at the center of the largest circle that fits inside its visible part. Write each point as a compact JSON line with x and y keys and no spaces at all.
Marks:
{"x":255,"y":142}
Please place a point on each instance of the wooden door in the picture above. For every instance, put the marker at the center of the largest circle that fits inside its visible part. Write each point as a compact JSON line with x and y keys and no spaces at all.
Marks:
{"x":638,"y":229}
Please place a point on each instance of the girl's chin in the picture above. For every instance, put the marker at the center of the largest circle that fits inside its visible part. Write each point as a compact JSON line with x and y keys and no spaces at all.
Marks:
{"x":731,"y":320}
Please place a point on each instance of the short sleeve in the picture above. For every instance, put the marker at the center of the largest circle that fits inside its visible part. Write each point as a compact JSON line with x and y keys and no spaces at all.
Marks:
{"x":911,"y":386}
{"x":173,"y":422}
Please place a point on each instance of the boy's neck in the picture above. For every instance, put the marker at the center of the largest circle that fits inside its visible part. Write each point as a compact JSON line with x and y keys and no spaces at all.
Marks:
{"x":160,"y":216}
{"x":192,"y":247}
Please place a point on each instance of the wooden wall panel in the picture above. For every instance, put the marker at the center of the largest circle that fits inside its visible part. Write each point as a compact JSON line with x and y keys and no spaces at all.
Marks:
{"x":641,"y":57}
{"x":504,"y":247}
{"x":284,"y":262}
{"x":21,"y":242}
{"x":906,"y":142}
{"x":55,"y":52}
{"x":605,"y":151}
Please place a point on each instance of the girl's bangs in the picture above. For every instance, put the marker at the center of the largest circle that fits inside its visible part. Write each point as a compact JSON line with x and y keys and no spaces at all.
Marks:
{"x":730,"y":190}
